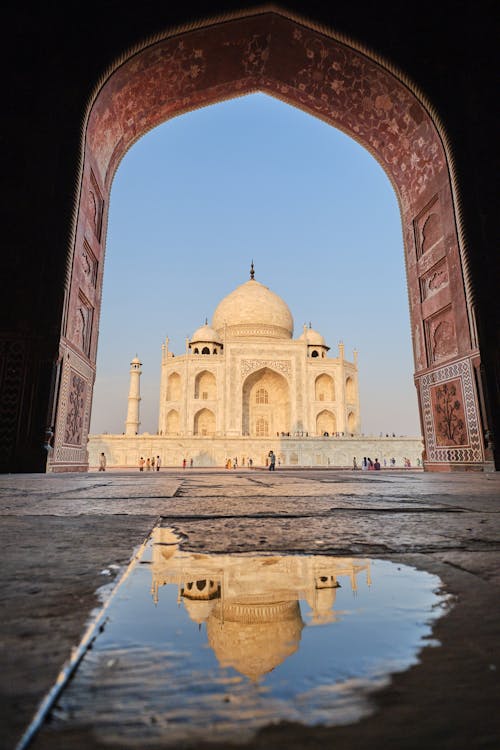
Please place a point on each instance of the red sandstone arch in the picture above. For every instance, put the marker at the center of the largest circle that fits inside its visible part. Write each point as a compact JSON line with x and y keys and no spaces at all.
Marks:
{"x":346,"y":87}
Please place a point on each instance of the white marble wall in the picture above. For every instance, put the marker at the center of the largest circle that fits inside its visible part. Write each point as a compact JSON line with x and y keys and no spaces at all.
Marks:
{"x":125,"y":451}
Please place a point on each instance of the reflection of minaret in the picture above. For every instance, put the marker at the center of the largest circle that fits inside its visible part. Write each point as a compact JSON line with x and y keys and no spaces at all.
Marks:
{"x":134,"y":396}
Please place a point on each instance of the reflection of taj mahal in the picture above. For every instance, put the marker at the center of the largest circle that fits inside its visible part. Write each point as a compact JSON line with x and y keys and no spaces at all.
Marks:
{"x":250,"y":605}
{"x":245,"y":375}
{"x":244,"y":386}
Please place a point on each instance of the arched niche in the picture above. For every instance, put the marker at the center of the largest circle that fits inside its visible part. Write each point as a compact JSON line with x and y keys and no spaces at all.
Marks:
{"x":265,"y":403}
{"x":326,"y":422}
{"x":173,"y":422}
{"x":204,"y":423}
{"x":324,"y":388}
{"x":351,"y":89}
{"x":174,"y":387}
{"x":205,"y":386}
{"x":350,"y":390}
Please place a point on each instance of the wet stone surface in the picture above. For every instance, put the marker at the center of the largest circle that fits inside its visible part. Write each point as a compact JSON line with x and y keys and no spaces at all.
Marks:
{"x":64,"y":536}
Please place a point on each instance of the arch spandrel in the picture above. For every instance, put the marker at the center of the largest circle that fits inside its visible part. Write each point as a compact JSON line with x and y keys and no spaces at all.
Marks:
{"x":280,"y":57}
{"x":349,"y":89}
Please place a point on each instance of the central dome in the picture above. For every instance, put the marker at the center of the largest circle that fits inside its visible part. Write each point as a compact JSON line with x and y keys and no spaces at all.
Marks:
{"x":253,"y":310}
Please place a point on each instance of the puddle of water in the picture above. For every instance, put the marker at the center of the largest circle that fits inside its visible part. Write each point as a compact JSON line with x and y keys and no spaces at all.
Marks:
{"x":213,"y":647}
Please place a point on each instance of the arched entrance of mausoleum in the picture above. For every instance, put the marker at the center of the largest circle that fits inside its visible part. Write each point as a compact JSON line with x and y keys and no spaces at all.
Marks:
{"x":265,"y":404}
{"x":345,"y":86}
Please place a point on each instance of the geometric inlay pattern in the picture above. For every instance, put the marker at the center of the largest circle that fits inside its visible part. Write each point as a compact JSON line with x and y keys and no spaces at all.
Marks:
{"x":450,"y":414}
{"x":73,"y":414}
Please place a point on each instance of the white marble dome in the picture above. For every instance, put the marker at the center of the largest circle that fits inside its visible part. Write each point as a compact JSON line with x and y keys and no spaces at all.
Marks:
{"x":252,"y":309}
{"x":205,"y":335}
{"x":313,"y":338}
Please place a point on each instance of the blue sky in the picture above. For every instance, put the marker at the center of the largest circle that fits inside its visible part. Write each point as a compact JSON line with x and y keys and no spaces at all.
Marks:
{"x":196,"y":199}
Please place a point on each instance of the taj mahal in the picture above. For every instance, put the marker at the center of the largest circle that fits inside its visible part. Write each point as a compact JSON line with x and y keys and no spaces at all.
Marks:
{"x":245,"y":386}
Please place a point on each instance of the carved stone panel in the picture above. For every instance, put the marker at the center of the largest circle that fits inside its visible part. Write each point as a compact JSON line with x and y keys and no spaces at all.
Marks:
{"x":441,"y":336}
{"x":447,"y":401}
{"x":73,"y":414}
{"x":82,"y":324}
{"x":95,"y":206}
{"x":450,"y":414}
{"x":428,"y":227}
{"x":73,"y":432}
{"x":89,"y":265}
{"x":434,"y":280}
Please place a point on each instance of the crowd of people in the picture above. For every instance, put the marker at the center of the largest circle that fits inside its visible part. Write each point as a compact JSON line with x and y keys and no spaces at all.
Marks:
{"x":150,"y":464}
{"x":367,"y":464}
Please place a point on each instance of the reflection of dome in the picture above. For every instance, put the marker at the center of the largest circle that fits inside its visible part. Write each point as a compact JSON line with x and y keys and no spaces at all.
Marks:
{"x":252,"y":309}
{"x":253,"y":639}
{"x":199,"y":610}
{"x":205,"y":335}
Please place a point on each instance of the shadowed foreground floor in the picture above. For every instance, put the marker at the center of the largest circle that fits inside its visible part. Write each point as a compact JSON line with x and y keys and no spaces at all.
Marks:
{"x":59,"y":533}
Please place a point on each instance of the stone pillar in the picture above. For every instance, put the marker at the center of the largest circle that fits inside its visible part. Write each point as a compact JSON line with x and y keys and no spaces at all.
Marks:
{"x":134,"y":397}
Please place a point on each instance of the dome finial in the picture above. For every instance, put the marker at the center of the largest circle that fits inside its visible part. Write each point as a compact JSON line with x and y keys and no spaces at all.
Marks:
{"x":252,"y":272}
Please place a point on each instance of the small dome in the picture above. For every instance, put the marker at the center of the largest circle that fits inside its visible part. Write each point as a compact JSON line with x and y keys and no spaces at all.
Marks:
{"x":252,"y":309}
{"x":313,"y":338}
{"x":136,"y":361}
{"x":205,"y":335}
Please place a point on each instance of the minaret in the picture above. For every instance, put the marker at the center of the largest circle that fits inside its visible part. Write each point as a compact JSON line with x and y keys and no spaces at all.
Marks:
{"x":134,"y":396}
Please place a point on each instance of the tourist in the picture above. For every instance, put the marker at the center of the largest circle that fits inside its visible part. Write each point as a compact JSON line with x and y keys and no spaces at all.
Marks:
{"x":354,"y":464}
{"x":370,"y":464}
{"x":272,"y":460}
{"x":364,"y":464}
{"x":376,"y":465}
{"x":191,"y":462}
{"x":141,"y":464}
{"x":183,"y":463}
{"x":250,"y":462}
{"x":153,"y":463}
{"x":102,"y":462}
{"x":158,"y":463}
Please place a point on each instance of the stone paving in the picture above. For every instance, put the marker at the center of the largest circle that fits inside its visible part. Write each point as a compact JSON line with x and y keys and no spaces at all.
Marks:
{"x":64,"y":536}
